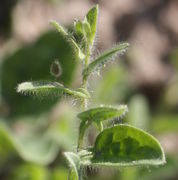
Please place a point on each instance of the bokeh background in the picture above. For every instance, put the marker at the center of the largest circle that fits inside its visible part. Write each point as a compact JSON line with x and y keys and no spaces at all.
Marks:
{"x":34,"y":132}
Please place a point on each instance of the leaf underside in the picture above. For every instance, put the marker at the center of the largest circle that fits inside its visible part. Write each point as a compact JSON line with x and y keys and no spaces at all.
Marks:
{"x":124,"y":145}
{"x":42,"y":89}
{"x":105,"y":58}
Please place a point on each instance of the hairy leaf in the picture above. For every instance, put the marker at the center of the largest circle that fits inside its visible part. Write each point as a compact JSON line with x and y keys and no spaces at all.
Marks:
{"x":85,"y":30}
{"x":70,"y":39}
{"x":91,"y":18}
{"x":40,"y":88}
{"x":80,"y":34}
{"x":74,"y":163}
{"x":21,"y":66}
{"x":104,"y":58}
{"x":79,"y":27}
{"x":103,"y":113}
{"x":124,"y":145}
{"x":97,"y":115}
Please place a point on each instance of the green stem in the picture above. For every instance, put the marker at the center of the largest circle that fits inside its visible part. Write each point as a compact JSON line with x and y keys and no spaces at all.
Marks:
{"x":84,"y":100}
{"x":84,"y":83}
{"x":84,"y":106}
{"x":81,"y":173}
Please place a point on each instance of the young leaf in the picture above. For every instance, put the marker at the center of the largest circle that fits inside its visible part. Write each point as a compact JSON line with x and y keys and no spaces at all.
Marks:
{"x":91,"y":18}
{"x":97,"y":115}
{"x":78,"y":27}
{"x":82,"y":34}
{"x":85,"y":30}
{"x":124,"y":145}
{"x":40,"y":88}
{"x":103,"y":113}
{"x":59,"y":28}
{"x":104,"y":58}
{"x":70,"y":39}
{"x":74,"y":163}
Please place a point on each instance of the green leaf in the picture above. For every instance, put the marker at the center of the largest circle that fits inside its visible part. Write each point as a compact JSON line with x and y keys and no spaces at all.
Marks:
{"x":91,"y":18}
{"x":85,"y":30}
{"x":79,"y":27}
{"x":69,"y":38}
{"x":60,"y":29}
{"x":62,"y":128}
{"x":22,"y":65}
{"x":40,"y":88}
{"x":31,"y":149}
{"x":39,"y":150}
{"x":104,"y":58}
{"x":74,"y":163}
{"x":80,"y":34}
{"x":124,"y":145}
{"x":103,"y":113}
{"x":99,"y":114}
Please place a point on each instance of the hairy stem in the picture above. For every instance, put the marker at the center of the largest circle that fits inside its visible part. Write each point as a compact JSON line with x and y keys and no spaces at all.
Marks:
{"x":84,"y":106}
{"x":84,"y":100}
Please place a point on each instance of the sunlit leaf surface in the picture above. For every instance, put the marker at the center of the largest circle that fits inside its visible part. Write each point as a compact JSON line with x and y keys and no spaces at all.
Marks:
{"x":99,"y":114}
{"x":124,"y":145}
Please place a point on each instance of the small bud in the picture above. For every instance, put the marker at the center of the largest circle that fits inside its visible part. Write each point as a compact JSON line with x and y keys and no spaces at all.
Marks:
{"x":56,"y":69}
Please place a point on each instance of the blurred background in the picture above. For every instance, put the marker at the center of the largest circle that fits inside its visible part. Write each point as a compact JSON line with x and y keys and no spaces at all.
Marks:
{"x":34,"y":132}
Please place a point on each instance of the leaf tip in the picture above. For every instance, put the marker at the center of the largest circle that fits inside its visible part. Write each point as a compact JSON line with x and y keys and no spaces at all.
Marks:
{"x":52,"y":22}
{"x":22,"y":87}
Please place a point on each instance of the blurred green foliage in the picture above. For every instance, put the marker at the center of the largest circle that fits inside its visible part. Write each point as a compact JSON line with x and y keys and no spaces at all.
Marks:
{"x":30,"y":151}
{"x":33,"y":62}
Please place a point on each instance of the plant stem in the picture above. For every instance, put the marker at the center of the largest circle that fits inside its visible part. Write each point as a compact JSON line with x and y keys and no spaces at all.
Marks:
{"x":84,"y":81}
{"x":80,"y":173}
{"x":84,"y":106}
{"x":84,"y":100}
